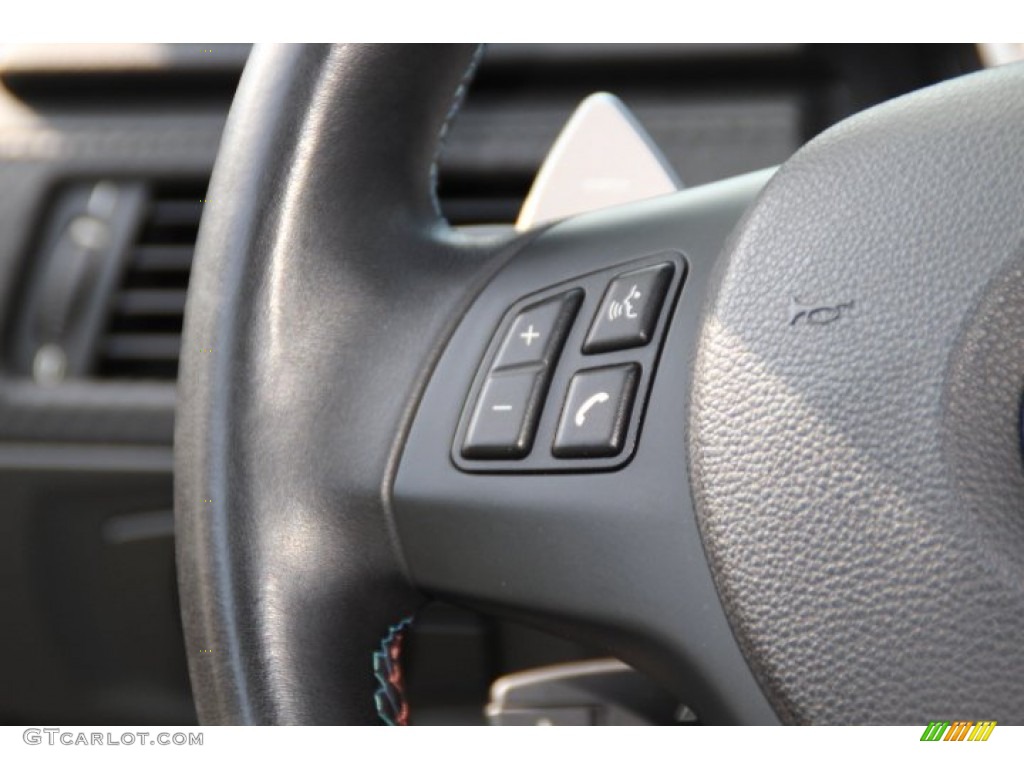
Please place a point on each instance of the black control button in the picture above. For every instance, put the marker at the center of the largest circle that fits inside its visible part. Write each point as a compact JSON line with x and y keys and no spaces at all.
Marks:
{"x":506,"y":414}
{"x":595,"y":416}
{"x":629,"y":310}
{"x":539,"y":331}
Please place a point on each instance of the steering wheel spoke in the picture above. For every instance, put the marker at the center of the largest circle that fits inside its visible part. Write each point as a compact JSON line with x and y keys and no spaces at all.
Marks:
{"x":562,"y":501}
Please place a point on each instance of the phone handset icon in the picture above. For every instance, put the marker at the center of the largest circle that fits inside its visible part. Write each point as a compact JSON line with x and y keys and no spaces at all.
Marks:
{"x":590,"y":402}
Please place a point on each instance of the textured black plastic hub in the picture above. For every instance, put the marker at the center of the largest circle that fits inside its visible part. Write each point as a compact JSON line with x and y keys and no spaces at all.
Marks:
{"x":854,"y":422}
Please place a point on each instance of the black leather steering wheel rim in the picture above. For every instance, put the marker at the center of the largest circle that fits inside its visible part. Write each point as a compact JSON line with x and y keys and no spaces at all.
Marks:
{"x":335,"y":325}
{"x":257,"y":466}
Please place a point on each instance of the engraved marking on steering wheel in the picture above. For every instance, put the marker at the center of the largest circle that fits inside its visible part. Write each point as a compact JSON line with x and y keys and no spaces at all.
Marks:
{"x":817,"y":314}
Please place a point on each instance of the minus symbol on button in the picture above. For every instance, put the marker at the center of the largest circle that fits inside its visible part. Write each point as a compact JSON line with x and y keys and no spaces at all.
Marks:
{"x":501,"y":407}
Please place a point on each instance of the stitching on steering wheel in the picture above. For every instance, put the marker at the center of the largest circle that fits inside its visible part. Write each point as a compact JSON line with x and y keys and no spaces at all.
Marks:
{"x":442,"y":135}
{"x":389,"y":697}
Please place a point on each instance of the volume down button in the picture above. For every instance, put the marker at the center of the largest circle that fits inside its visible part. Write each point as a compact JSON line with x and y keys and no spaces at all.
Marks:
{"x":504,"y":421}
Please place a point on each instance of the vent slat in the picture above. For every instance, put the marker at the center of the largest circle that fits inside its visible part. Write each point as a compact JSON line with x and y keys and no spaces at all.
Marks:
{"x":175,"y":213}
{"x":162,"y":258}
{"x":142,"y":346}
{"x":150,"y":302}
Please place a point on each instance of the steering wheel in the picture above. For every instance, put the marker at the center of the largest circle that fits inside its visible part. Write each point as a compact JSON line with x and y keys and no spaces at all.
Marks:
{"x":800,"y":499}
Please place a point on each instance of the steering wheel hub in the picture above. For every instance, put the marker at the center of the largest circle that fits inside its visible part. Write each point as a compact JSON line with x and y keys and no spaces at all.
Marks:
{"x":858,"y":481}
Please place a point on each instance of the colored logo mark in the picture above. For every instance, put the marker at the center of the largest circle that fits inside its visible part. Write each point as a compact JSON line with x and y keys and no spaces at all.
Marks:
{"x":959,"y":730}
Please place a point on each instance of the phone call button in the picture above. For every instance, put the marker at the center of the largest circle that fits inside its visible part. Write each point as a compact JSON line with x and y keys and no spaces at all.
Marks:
{"x":595,"y":414}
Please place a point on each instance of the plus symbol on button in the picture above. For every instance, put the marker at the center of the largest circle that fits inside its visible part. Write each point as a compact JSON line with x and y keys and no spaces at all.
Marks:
{"x":529,"y":335}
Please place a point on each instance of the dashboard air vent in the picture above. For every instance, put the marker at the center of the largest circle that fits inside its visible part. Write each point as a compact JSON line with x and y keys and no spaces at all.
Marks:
{"x":143,"y":336}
